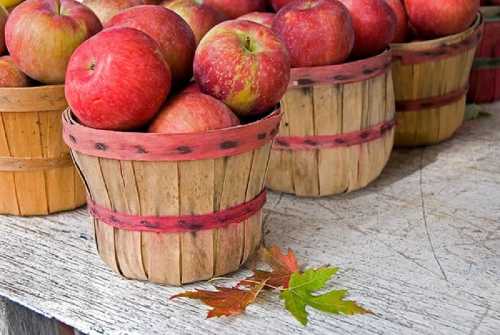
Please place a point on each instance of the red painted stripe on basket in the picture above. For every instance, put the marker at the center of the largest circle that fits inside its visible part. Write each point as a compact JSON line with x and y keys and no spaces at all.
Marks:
{"x":343,"y":73}
{"x":170,"y":147}
{"x":333,"y":141}
{"x":408,"y":57}
{"x":431,"y":102}
{"x":178,"y":224}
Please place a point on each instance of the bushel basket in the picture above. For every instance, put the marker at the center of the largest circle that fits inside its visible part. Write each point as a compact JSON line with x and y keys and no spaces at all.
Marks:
{"x":430,"y":82}
{"x":338,"y":128}
{"x":174,"y":208}
{"x":36,"y":171}
{"x":485,"y":76}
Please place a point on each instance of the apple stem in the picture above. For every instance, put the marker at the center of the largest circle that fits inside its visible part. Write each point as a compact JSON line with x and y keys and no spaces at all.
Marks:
{"x":248,"y":43}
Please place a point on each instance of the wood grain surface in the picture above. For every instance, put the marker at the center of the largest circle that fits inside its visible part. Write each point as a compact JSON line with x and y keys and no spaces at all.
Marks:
{"x":420,"y":247}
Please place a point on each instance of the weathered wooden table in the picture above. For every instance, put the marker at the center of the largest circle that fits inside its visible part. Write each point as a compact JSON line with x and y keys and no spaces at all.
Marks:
{"x":420,"y":247}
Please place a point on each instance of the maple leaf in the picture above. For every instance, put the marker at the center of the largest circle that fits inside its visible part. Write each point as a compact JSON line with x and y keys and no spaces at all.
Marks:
{"x":225,"y":301}
{"x":300,"y":294}
{"x":283,"y":265}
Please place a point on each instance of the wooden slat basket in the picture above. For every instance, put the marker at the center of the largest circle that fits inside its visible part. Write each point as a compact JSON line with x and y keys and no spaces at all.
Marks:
{"x":338,"y":128}
{"x":175,"y":208}
{"x":36,"y":171}
{"x":430,"y":83}
{"x":485,"y":76}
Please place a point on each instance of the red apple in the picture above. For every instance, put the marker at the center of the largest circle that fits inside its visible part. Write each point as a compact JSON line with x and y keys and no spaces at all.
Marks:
{"x":200,"y":17}
{"x":316,"y":32}
{"x":192,"y":87}
{"x":433,"y":19}
{"x":41,"y":35}
{"x":193,"y":113}
{"x":236,"y":8}
{"x":175,"y":38}
{"x":106,"y":9}
{"x":402,"y":27}
{"x":10,"y":75}
{"x":277,"y":4}
{"x":374,"y":26}
{"x":263,"y":18}
{"x":3,"y":19}
{"x":117,"y":80}
{"x":244,"y":64}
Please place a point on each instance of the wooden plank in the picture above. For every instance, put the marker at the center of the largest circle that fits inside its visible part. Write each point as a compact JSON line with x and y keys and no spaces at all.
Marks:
{"x":328,"y":114}
{"x":196,"y":189}
{"x":230,"y":242}
{"x":161,"y":252}
{"x":298,"y":104}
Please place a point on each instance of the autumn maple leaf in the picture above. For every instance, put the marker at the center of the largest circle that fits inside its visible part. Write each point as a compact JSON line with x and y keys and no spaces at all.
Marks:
{"x":225,"y":301}
{"x":282,"y":265}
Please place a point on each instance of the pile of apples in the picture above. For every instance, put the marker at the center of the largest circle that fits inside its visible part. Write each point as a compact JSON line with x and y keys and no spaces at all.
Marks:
{"x":197,"y":65}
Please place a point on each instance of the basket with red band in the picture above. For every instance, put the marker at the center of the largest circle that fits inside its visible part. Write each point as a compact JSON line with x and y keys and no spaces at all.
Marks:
{"x":338,"y":112}
{"x":431,"y":82}
{"x":174,"y":171}
{"x":338,"y":128}
{"x":485,"y":76}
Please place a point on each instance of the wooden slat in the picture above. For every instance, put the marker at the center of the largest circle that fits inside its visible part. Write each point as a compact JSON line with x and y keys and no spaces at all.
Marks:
{"x":158,"y":188}
{"x":197,"y":180}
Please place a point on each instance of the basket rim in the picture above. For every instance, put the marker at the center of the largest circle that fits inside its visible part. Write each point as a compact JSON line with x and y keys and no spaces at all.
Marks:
{"x":137,"y":146}
{"x":429,"y":44}
{"x":33,"y":88}
{"x":336,"y":67}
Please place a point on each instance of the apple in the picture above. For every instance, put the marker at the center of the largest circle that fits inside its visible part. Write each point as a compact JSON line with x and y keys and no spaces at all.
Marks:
{"x":193,"y":112}
{"x":263,"y":18}
{"x":374,"y":26}
{"x":277,"y":4}
{"x":244,"y":64}
{"x":191,"y":87}
{"x":200,"y":17}
{"x":10,"y":75}
{"x":41,"y":35}
{"x":3,"y":20}
{"x":402,"y":27}
{"x":433,"y":19}
{"x":173,"y":35}
{"x":117,"y":80}
{"x":106,"y":9}
{"x":316,"y":32}
{"x":236,"y":8}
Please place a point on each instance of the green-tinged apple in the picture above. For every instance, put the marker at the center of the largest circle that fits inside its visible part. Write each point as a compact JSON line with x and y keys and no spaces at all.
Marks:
{"x":316,"y":32}
{"x":236,"y":8}
{"x":173,"y":35}
{"x":3,"y":20}
{"x":117,"y":80}
{"x":433,"y":19}
{"x":200,"y":17}
{"x":10,"y":75}
{"x":193,"y":112}
{"x":244,"y":64}
{"x":263,"y":18}
{"x":41,"y":36}
{"x":106,"y":9}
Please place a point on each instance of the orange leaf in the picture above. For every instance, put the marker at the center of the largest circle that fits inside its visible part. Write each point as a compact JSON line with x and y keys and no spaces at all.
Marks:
{"x":225,"y":301}
{"x":283,"y":265}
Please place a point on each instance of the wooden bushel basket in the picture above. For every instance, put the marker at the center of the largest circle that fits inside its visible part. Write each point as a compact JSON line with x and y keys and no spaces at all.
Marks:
{"x":174,"y":208}
{"x":485,"y":76}
{"x":37,"y":175}
{"x":430,"y":84}
{"x":337,"y":130}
